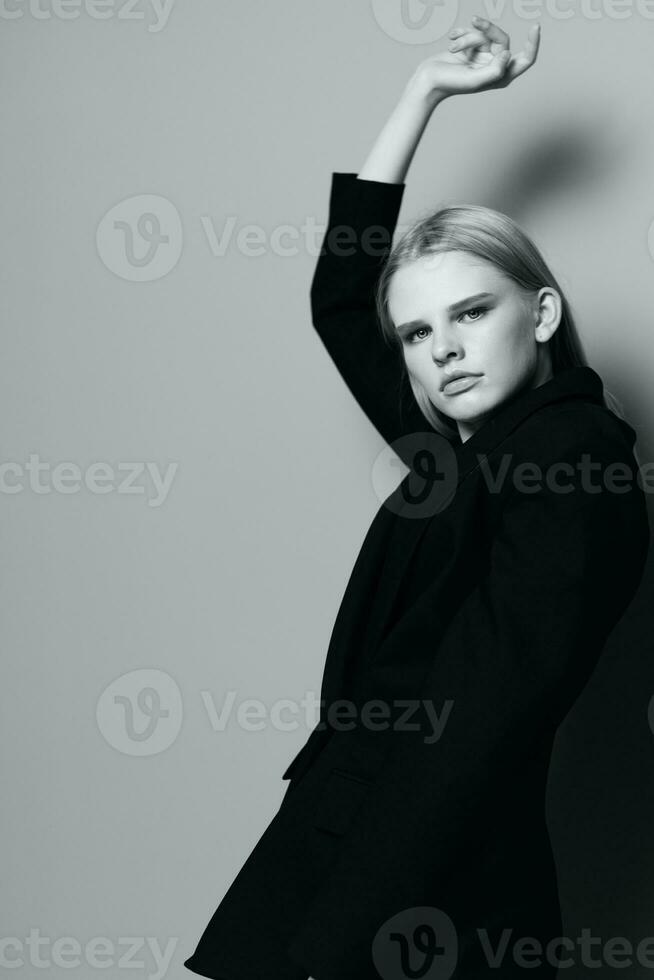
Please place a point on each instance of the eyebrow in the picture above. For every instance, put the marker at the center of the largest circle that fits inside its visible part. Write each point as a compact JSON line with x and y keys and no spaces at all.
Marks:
{"x":452,"y":308}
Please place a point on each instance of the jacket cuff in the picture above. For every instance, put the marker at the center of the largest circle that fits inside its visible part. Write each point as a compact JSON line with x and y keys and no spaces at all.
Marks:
{"x":363,"y":203}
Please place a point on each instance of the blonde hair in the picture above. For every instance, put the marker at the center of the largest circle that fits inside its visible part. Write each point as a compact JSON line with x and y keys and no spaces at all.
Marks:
{"x":496,"y":238}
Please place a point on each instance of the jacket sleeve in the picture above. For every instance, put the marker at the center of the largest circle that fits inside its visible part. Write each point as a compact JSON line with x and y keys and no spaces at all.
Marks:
{"x":513,"y":658}
{"x":362,"y":219}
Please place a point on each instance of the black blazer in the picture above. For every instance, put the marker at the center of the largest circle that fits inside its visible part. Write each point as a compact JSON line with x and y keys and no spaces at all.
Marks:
{"x":487,"y":607}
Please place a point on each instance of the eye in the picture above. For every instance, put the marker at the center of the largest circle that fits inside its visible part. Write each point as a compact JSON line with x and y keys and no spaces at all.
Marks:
{"x":412,"y":335}
{"x":475,"y":309}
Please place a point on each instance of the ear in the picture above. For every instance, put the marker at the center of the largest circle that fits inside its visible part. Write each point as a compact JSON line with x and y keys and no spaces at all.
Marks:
{"x":547,"y":314}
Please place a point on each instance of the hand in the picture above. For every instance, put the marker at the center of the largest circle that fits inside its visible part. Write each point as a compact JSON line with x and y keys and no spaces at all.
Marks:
{"x":478,"y":59}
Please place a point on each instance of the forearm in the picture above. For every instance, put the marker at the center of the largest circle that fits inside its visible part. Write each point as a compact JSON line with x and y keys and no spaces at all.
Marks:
{"x":393,"y":151}
{"x":361,"y":221}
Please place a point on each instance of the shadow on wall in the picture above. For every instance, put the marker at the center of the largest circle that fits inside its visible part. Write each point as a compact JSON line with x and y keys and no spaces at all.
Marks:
{"x":600,"y":802}
{"x":568,"y":158}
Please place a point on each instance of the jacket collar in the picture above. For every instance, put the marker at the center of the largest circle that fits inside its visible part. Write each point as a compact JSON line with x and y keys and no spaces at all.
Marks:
{"x":571,"y":383}
{"x":580,"y":382}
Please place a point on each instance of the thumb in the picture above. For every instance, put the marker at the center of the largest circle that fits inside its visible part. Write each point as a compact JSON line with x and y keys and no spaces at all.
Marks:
{"x":493,"y":71}
{"x":502,"y":59}
{"x":495,"y":68}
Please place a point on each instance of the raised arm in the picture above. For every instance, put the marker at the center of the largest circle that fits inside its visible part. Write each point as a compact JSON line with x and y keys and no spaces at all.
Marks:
{"x":362,"y":217}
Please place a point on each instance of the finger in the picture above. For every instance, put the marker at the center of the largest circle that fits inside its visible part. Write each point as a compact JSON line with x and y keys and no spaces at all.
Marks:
{"x":524,"y":59}
{"x":492,"y":31}
{"x":469,"y":39}
{"x":490,"y":74}
{"x":460,"y":30}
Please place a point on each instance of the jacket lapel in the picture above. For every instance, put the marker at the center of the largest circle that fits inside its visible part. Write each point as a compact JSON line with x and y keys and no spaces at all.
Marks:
{"x":578,"y":382}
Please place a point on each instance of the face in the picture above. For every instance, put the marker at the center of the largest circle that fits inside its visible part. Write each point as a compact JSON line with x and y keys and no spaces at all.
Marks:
{"x":455,"y":312}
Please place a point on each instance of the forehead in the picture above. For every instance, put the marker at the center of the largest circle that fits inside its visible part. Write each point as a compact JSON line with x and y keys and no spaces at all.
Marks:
{"x":442,"y":279}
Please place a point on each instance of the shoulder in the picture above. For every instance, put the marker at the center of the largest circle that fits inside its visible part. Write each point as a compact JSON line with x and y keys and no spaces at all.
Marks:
{"x":572,"y":460}
{"x":569,"y":430}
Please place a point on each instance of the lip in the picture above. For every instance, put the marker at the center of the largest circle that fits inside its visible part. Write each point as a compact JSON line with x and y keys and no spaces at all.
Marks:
{"x":459,"y":382}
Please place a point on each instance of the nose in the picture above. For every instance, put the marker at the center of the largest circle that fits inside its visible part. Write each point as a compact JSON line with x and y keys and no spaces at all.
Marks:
{"x":444,"y":344}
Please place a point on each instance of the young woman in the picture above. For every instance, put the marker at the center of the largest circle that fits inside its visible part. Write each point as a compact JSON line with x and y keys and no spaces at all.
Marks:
{"x":412,"y":841}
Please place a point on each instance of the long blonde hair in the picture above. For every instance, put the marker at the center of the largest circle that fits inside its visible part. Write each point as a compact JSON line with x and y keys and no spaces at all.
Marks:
{"x":496,"y":238}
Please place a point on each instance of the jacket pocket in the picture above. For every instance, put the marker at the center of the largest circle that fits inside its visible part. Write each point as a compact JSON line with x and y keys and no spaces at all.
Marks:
{"x":341,"y":796}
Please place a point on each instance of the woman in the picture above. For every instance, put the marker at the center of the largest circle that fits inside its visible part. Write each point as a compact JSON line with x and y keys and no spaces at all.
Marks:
{"x":412,"y":841}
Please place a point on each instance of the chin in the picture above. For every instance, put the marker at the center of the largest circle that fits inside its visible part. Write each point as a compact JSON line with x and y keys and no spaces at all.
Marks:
{"x":475,"y":411}
{"x":465,"y":403}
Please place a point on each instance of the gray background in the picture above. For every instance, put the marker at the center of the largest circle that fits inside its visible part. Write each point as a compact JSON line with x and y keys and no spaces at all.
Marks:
{"x":241,"y":111}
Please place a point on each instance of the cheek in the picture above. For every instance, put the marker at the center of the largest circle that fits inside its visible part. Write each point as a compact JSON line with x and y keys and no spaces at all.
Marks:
{"x":415,"y":363}
{"x":511,"y":342}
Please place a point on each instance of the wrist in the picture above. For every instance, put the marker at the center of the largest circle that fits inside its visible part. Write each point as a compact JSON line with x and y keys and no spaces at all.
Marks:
{"x":418,"y":92}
